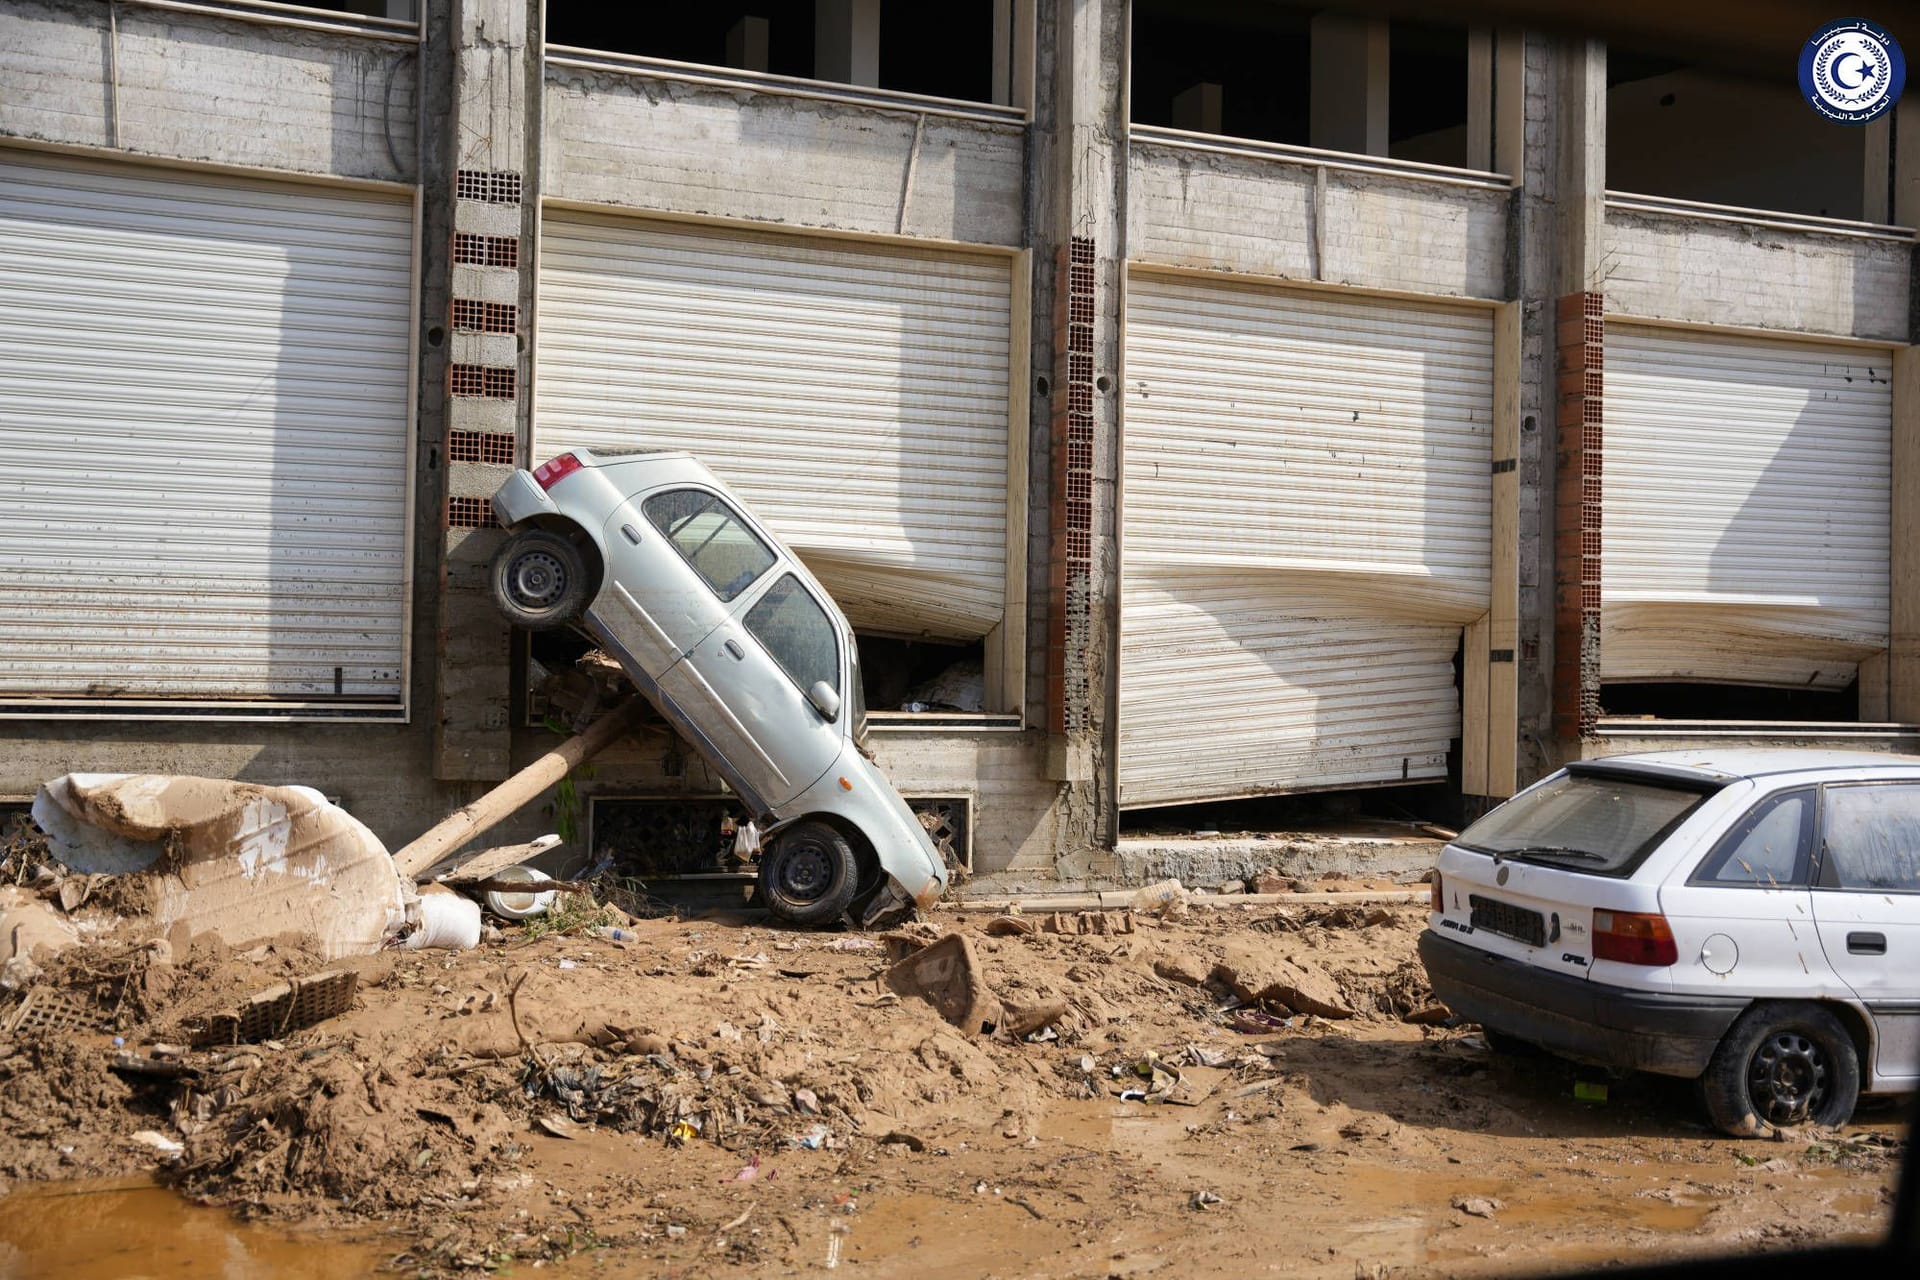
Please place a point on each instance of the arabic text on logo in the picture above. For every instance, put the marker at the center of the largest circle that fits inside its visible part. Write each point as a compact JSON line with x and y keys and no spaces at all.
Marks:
{"x":1852,"y":71}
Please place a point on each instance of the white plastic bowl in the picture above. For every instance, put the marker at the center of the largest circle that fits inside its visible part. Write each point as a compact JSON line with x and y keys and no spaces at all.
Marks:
{"x":510,"y":904}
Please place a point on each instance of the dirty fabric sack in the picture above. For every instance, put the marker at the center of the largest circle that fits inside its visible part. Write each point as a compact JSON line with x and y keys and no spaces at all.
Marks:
{"x":243,"y":861}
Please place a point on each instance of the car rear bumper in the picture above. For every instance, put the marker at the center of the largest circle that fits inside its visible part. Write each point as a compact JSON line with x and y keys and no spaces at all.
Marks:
{"x":520,"y":499}
{"x":1673,"y":1035}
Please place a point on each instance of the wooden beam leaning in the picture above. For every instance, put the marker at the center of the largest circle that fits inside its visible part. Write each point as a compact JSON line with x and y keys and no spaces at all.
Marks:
{"x":503,"y":801}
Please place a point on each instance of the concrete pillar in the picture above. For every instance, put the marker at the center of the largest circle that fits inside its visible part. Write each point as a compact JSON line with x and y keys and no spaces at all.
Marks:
{"x":1076,"y":213}
{"x":1578,"y":165}
{"x":490,"y":137}
{"x":1480,"y":98}
{"x":1526,"y":146}
{"x":1906,"y":163}
{"x":1198,"y":108}
{"x":1902,"y":670}
{"x":1348,"y":94}
{"x":747,"y":42}
{"x":401,"y":10}
{"x":1013,"y":64}
{"x":846,"y":41}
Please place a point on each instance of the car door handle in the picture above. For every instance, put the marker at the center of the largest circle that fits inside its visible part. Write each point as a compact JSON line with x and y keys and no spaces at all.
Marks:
{"x":1867,"y":944}
{"x":734,"y":649}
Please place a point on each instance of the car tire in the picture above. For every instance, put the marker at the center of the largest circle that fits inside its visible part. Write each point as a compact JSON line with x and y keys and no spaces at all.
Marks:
{"x":810,"y":875}
{"x":1782,"y":1064}
{"x":539,"y":581}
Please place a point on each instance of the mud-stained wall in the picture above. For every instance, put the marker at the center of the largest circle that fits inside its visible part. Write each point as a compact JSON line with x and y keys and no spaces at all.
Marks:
{"x":634,"y":141}
{"x":1015,"y":810}
{"x":195,"y":87}
{"x":1264,"y":216}
{"x":1681,"y":268}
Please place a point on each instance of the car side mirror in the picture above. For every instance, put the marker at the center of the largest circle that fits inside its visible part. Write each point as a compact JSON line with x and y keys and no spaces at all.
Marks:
{"x":824,"y":699}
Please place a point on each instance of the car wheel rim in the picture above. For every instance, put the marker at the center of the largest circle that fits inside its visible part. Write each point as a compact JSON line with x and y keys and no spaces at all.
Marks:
{"x":537,"y":579}
{"x":805,"y":873}
{"x":1788,"y":1079}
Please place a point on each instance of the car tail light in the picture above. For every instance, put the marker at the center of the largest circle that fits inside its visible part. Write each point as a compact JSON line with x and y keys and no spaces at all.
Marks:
{"x":1633,"y":937}
{"x":548,"y":473}
{"x":1436,"y":900}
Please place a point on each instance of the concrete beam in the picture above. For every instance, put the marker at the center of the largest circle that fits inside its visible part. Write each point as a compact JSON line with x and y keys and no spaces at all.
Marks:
{"x":1214,"y":212}
{"x":195,"y":87}
{"x":642,"y":142}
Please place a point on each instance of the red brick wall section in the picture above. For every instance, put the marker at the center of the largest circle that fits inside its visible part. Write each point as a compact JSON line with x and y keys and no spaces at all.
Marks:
{"x":1070,"y":503}
{"x":1580,"y":357}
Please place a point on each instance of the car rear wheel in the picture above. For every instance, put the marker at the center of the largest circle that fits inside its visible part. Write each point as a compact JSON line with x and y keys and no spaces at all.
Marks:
{"x":540,"y":581}
{"x":810,"y":875}
{"x":1779,"y":1066}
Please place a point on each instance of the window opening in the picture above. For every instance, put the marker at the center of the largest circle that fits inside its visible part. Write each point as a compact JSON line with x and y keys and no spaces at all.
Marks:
{"x":1870,"y":838}
{"x":1769,"y":846}
{"x":710,"y":537}
{"x":793,"y":627}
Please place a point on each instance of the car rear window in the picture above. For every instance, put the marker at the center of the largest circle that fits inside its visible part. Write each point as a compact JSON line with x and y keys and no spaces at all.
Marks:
{"x":1595,"y":822}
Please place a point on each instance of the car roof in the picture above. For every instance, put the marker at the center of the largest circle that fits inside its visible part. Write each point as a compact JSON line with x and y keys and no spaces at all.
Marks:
{"x":1728,"y":763}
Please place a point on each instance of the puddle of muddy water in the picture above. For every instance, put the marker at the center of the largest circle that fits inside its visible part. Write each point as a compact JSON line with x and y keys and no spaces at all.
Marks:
{"x":134,"y":1230}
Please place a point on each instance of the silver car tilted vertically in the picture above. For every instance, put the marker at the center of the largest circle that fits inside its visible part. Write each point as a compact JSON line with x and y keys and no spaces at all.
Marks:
{"x":735,"y":643}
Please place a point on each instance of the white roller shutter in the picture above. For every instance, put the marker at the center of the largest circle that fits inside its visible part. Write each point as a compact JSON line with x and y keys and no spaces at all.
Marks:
{"x":1745,"y":508}
{"x":855,"y":395}
{"x":1306,"y":530}
{"x":203,"y":440}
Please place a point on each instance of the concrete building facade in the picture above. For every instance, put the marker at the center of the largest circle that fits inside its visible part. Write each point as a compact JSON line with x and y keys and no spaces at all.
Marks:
{"x":1228,"y":400}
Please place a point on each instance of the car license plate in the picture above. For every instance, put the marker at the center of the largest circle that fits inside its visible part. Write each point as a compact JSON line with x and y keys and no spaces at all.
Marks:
{"x":1508,"y":920}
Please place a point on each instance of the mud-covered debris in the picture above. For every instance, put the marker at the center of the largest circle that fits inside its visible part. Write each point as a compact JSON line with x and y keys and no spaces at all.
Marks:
{"x":1260,"y":975}
{"x":1478,"y":1206}
{"x":1009,"y":927}
{"x":1098,"y":923}
{"x":1020,"y":1021}
{"x":1186,"y":969}
{"x":946,"y":974}
{"x":282,"y":1009}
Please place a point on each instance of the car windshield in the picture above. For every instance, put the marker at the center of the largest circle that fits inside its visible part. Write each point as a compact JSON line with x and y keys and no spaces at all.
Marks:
{"x":1603,"y":823}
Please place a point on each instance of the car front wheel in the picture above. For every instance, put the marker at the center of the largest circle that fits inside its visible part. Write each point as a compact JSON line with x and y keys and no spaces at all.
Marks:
{"x":1781,"y":1065}
{"x":539,"y":581}
{"x":809,"y":876}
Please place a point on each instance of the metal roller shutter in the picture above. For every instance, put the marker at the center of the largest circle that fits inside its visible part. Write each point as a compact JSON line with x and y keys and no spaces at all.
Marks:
{"x":1745,"y":508}
{"x":204,"y":436}
{"x":1306,"y":528}
{"x":855,"y":395}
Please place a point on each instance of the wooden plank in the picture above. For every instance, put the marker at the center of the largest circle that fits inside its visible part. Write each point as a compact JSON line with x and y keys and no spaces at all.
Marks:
{"x":1503,"y":605}
{"x":1473,"y":708}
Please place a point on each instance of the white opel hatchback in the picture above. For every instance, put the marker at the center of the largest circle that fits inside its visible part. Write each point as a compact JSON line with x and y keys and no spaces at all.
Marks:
{"x":1749,"y":919}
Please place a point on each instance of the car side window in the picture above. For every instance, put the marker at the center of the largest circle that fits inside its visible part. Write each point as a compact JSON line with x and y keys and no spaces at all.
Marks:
{"x":714,"y":540}
{"x":1870,"y":837}
{"x":796,"y":631}
{"x":1767,"y":847}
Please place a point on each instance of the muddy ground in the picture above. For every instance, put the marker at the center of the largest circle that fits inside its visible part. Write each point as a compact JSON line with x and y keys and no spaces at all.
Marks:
{"x":718,"y":1098}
